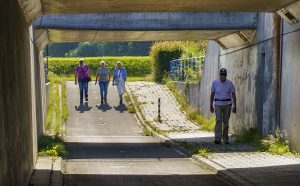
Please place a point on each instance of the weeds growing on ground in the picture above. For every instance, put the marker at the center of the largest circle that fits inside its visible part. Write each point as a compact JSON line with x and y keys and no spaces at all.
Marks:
{"x":274,"y":144}
{"x":196,"y":149}
{"x":277,"y":144}
{"x":51,"y":146}
{"x":57,"y":112}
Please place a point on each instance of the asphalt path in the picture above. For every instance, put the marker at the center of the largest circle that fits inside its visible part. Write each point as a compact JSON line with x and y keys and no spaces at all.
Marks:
{"x":108,"y":147}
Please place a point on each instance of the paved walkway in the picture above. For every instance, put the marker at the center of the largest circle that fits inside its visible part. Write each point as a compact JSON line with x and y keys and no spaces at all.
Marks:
{"x":107,"y":147}
{"x":240,"y":159}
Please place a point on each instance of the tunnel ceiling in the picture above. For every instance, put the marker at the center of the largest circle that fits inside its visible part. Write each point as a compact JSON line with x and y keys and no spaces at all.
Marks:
{"x":61,"y":35}
{"x":95,"y":6}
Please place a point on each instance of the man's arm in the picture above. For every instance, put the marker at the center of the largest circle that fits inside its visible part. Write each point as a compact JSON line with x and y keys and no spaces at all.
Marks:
{"x":212,"y":97}
{"x":234,"y":102}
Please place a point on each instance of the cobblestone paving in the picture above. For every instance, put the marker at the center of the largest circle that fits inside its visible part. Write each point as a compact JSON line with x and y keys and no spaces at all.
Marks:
{"x":147,"y":94}
{"x":256,"y":167}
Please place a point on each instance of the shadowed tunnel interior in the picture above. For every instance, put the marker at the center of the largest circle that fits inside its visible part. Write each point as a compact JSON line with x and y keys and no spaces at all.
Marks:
{"x":119,"y":150}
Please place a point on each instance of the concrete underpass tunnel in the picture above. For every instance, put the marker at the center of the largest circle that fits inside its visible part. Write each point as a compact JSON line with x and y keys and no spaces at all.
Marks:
{"x":22,"y":86}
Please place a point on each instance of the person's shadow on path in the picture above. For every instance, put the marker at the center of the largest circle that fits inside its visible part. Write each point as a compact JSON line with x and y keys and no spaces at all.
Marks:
{"x":121,"y":108}
{"x":104,"y":107}
{"x":83,"y":107}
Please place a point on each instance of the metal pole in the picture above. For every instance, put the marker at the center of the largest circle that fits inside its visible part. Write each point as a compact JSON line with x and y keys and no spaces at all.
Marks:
{"x":159,"y":117}
{"x":46,"y":71}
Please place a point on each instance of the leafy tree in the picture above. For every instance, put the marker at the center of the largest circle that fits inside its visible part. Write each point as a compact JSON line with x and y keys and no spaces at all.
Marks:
{"x":59,"y":49}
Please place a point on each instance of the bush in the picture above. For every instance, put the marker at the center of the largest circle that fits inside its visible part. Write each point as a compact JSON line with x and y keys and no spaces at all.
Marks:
{"x":135,"y":66}
{"x":162,"y":53}
{"x":51,"y":146}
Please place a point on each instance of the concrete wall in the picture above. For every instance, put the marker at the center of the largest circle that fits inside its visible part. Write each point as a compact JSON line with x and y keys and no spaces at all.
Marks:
{"x":18,"y":96}
{"x":191,"y":91}
{"x":209,"y":73}
{"x":290,"y":91}
{"x":252,"y":72}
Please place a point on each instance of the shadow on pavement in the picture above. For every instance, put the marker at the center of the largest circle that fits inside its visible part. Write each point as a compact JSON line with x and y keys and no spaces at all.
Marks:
{"x":272,"y":175}
{"x":208,"y":142}
{"x":145,"y":180}
{"x":119,"y":150}
{"x":45,"y":177}
{"x":83,"y":107}
{"x":121,"y":108}
{"x":104,"y":107}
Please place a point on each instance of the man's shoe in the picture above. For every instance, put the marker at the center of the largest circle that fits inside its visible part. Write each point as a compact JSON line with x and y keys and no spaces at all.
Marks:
{"x":217,"y":142}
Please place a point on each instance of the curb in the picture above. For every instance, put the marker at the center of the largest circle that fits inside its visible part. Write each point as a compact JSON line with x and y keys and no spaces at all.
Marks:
{"x":47,"y":171}
{"x":225,"y":174}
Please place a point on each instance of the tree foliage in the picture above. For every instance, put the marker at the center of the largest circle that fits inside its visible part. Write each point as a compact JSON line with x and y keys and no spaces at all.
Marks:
{"x":89,"y":49}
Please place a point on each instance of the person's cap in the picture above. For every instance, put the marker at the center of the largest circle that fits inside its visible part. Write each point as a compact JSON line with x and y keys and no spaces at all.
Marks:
{"x":223,"y":71}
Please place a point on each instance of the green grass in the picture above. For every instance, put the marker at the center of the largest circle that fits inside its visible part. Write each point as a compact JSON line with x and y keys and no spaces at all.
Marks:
{"x":51,"y":146}
{"x":196,"y":149}
{"x":207,"y":124}
{"x":147,"y":132}
{"x":251,"y":137}
{"x":274,"y":144}
{"x":56,"y":115}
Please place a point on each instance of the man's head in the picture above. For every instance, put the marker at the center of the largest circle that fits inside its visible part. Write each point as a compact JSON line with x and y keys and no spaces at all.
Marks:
{"x":81,"y":60}
{"x":223,"y":74}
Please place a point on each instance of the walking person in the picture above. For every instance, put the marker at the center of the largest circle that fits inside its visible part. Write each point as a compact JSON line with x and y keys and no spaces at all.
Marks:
{"x":120,"y":77}
{"x":103,"y":76}
{"x":82,"y":75}
{"x":223,"y":94}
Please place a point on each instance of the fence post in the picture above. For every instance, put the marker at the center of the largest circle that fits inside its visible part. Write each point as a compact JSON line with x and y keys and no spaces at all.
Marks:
{"x":159,"y":116}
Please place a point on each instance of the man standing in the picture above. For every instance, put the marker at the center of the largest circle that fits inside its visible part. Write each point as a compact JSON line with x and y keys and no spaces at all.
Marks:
{"x":223,"y":94}
{"x":82,"y":72}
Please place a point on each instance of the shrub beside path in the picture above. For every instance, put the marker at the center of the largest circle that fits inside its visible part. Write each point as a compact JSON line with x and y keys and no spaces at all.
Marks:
{"x":240,"y":163}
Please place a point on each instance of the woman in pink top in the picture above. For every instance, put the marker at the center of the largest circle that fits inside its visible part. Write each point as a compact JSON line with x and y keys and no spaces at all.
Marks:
{"x":82,"y":75}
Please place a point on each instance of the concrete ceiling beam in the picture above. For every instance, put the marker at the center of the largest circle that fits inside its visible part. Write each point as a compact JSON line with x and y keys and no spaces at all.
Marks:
{"x":97,"y":6}
{"x":291,"y":13}
{"x":62,"y":35}
{"x":41,"y":38}
{"x":32,"y":9}
{"x":237,"y":39}
{"x":149,"y":21}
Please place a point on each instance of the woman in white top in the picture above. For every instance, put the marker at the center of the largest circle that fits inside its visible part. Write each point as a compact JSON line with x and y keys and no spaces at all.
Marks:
{"x":120,"y":77}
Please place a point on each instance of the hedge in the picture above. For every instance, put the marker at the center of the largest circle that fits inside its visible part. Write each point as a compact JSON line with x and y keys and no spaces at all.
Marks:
{"x":162,"y":53}
{"x":135,"y":66}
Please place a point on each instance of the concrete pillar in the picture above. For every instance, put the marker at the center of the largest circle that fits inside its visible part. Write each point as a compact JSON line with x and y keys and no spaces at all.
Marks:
{"x":17,"y":97}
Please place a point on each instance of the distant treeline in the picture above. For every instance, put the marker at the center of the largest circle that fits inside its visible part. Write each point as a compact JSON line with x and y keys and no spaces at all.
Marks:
{"x":88,"y":49}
